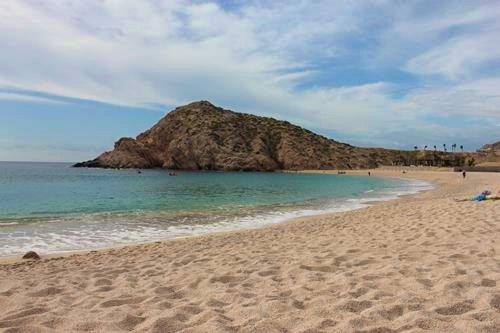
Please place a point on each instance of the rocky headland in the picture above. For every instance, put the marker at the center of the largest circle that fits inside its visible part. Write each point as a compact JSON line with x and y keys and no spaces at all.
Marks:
{"x":201,"y":136}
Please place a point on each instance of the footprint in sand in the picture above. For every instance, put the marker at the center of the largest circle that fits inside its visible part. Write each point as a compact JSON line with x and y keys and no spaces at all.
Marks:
{"x":50,"y":291}
{"x":122,"y":301}
{"x":102,"y":282}
{"x":326,"y":324}
{"x":225,"y":279}
{"x":488,"y":283}
{"x":359,"y":292}
{"x":370,"y":277}
{"x":364,"y":262}
{"x":88,"y":326}
{"x":456,"y":309}
{"x":324,"y":269}
{"x":195,"y":283}
{"x":104,"y":289}
{"x":381,"y":329}
{"x":130,"y":322}
{"x":382,"y":294}
{"x":193,"y":309}
{"x":248,"y":295}
{"x":427,"y":323}
{"x":166,"y":324}
{"x":267,"y":273}
{"x":213,"y":303}
{"x":495,"y":302}
{"x":169,"y":292}
{"x":298,"y":305}
{"x":26,"y":313}
{"x":392,"y":312}
{"x":356,"y":306}
{"x":426,"y":282}
{"x":53,"y":322}
{"x":165,"y":305}
{"x":9,"y":292}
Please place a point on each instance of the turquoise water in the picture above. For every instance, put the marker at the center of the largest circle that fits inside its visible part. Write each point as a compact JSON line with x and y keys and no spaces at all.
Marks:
{"x":53,"y":207}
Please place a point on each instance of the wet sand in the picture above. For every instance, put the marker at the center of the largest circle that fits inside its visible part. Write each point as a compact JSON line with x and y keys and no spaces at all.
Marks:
{"x":422,"y":263}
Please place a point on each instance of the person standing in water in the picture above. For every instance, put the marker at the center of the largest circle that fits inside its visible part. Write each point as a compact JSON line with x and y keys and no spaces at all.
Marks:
{"x":369,"y":173}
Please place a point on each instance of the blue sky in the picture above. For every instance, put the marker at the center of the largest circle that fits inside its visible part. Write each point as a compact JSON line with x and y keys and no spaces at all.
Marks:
{"x":77,"y":75}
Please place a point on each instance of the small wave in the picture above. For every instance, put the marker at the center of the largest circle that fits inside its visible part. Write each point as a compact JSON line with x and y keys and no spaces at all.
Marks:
{"x":8,"y":224}
{"x":91,"y":231}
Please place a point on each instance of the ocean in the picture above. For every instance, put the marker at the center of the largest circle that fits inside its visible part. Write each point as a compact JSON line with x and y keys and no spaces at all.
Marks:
{"x":52,"y":207}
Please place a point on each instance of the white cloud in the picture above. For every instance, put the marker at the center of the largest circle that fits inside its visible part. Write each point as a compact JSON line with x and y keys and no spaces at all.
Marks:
{"x":11,"y":96}
{"x":260,"y":57}
{"x":131,"y":52}
{"x":459,"y":56}
{"x":479,"y":98}
{"x":451,"y":39}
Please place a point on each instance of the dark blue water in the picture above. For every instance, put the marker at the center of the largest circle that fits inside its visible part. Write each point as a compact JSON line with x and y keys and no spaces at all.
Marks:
{"x":53,"y":207}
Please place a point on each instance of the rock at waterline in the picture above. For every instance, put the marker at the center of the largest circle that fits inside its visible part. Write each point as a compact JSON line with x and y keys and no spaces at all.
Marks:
{"x":31,"y":255}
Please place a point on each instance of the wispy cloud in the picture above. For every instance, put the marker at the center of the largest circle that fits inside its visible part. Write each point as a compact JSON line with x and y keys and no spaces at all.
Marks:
{"x":17,"y":97}
{"x":276,"y":58}
{"x":459,"y":57}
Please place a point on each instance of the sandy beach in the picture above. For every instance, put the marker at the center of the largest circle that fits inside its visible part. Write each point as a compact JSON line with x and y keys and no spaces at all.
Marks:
{"x":421,"y":263}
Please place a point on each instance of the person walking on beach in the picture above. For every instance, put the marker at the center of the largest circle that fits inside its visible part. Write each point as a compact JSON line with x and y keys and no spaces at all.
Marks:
{"x":369,"y":173}
{"x":464,"y":174}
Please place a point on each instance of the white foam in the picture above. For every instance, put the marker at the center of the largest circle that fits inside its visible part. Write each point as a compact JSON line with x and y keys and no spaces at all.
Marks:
{"x":90,"y":232}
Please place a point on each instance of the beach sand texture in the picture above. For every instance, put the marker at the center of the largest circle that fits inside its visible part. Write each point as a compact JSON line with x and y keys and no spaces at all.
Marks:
{"x":422,"y":263}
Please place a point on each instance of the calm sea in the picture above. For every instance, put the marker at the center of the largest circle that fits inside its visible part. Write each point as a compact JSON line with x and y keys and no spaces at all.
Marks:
{"x":52,"y":207}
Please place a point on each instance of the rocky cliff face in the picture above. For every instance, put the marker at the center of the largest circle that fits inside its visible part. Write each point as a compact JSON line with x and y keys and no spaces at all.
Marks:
{"x":201,"y":136}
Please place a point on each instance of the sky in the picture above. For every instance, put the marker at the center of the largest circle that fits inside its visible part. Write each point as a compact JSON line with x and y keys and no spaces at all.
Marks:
{"x":75,"y":76}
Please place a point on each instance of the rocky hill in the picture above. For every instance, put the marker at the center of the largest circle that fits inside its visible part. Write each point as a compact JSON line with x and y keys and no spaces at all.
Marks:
{"x":201,"y":136}
{"x":491,"y":147}
{"x":489,"y":154}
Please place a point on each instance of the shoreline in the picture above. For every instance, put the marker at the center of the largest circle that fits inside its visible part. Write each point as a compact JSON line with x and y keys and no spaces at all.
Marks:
{"x":57,"y":254}
{"x":420,"y":263}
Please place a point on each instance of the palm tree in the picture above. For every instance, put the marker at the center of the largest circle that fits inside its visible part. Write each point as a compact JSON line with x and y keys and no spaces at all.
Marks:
{"x":425,"y":147}
{"x":462,"y":148}
{"x":454,"y":147}
{"x":444,"y":146}
{"x":415,"y":148}
{"x":435,"y":147}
